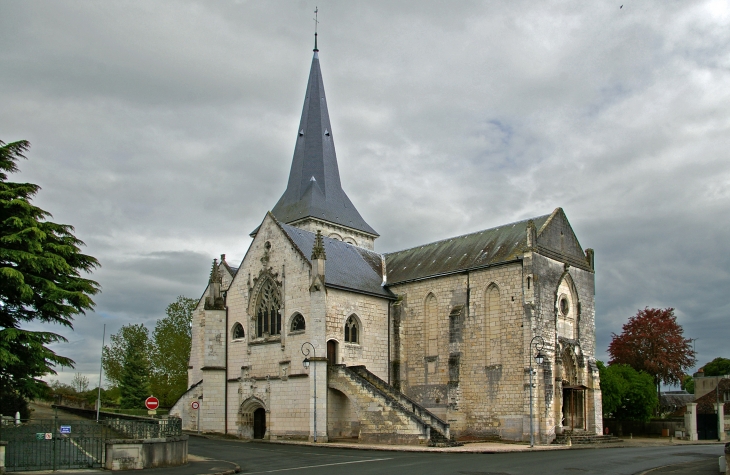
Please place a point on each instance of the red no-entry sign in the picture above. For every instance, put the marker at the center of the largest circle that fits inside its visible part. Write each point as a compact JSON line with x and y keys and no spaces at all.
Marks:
{"x":152,"y":403}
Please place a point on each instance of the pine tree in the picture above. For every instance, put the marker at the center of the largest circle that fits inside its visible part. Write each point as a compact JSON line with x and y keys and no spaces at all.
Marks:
{"x":41,"y":267}
{"x":135,"y":380}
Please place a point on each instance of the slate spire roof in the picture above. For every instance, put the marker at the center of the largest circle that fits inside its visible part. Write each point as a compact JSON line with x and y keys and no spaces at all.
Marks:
{"x":314,"y":188}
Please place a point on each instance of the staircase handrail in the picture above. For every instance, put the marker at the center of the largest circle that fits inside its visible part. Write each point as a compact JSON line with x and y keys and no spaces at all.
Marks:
{"x":406,"y":403}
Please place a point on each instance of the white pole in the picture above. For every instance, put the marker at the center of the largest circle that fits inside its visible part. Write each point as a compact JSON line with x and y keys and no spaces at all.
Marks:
{"x":198,"y":415}
{"x":532,"y":432}
{"x":101,"y":367}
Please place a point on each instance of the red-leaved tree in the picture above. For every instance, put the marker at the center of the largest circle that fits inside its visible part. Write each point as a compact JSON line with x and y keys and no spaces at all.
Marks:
{"x":652,"y":341}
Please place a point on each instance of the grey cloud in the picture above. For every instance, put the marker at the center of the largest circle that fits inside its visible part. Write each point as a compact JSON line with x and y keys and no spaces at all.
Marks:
{"x":164,"y":131}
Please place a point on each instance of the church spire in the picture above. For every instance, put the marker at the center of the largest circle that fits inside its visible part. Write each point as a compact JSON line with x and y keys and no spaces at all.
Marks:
{"x":314,"y":189}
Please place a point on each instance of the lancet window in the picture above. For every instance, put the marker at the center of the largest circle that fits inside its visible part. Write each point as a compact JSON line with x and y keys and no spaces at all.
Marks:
{"x":238,"y":332}
{"x":352,"y":330}
{"x":298,"y":323}
{"x":268,"y":310}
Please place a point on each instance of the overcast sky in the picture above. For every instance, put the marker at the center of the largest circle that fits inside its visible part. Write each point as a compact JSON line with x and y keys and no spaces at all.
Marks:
{"x":164,"y":131}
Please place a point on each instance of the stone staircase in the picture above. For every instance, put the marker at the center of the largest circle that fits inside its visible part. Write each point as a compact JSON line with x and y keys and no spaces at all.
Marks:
{"x":387,"y":415}
{"x":581,"y":437}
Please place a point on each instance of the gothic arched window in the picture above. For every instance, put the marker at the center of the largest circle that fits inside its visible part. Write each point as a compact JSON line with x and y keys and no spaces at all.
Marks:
{"x":268,"y":310}
{"x":298,"y":323}
{"x":352,"y":330}
{"x":238,"y":332}
{"x":431,"y":325}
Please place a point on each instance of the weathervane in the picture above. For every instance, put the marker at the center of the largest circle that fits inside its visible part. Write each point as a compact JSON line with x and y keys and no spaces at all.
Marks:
{"x":316,"y":22}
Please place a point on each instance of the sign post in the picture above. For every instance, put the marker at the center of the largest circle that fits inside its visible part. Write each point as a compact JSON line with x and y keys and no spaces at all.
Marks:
{"x":152,"y":403}
{"x":196,"y":406}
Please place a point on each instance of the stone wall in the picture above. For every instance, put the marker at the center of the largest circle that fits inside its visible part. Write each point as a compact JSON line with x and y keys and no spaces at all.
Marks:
{"x":476,"y":380}
{"x":379,"y":420}
{"x":552,"y":277}
{"x":124,"y":454}
{"x":340,"y":233}
{"x":212,"y":406}
{"x":343,"y":421}
{"x":195,"y":363}
{"x":183,"y":407}
{"x":372,"y":313}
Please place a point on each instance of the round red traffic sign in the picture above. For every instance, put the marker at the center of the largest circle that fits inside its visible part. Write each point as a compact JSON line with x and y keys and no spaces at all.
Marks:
{"x":152,"y":403}
{"x":195,"y":405}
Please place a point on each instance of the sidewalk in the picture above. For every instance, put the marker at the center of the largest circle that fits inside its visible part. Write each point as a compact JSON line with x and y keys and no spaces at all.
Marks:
{"x":195,"y":466}
{"x":476,"y":447}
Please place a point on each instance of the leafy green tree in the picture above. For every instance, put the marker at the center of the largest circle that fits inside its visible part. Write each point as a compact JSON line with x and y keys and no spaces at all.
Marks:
{"x":134,"y":384}
{"x":626,"y":393}
{"x":113,"y":356}
{"x":688,"y":384}
{"x":41,"y":268}
{"x":717,"y":367}
{"x":171,"y":349}
{"x":165,"y":355}
{"x":652,"y":341}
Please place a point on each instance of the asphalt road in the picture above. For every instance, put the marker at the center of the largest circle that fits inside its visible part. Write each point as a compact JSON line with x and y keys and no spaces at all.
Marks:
{"x":257,"y":457}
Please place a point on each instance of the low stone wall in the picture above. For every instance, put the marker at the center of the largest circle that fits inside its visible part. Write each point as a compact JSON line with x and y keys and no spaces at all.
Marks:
{"x":123,"y":454}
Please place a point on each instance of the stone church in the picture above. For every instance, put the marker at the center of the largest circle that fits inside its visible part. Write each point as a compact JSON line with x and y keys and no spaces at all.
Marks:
{"x":315,"y":335}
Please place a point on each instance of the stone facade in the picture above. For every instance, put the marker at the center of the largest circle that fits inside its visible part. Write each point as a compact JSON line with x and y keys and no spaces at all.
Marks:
{"x":426,"y":343}
{"x":458,"y":345}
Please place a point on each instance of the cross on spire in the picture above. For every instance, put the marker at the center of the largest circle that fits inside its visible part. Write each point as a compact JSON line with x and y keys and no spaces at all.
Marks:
{"x":316,"y":22}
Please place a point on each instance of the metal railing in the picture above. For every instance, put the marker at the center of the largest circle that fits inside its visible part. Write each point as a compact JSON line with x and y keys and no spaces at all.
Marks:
{"x":61,"y":443}
{"x":52,"y":444}
{"x":146,"y":428}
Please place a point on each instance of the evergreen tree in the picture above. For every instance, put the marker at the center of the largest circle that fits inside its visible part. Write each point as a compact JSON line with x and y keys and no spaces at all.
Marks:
{"x":41,"y":267}
{"x":114,"y":355}
{"x":135,"y":379}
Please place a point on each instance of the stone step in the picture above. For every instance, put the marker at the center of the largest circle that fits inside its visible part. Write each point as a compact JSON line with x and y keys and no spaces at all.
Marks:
{"x":360,"y":384}
{"x":585,"y":438}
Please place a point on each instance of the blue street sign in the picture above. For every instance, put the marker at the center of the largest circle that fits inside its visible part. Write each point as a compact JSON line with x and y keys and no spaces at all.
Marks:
{"x":65,"y":429}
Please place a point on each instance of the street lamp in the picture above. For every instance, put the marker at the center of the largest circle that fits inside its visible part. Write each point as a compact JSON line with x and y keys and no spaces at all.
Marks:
{"x":306,"y":352}
{"x":539,"y":343}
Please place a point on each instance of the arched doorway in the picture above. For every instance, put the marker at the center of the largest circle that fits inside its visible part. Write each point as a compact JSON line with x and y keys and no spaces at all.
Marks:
{"x":574,"y":400}
{"x":259,"y":423}
{"x":332,"y":352}
{"x":252,"y":419}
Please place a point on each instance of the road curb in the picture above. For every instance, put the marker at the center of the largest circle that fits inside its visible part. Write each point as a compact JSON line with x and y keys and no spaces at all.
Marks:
{"x":466,"y":450}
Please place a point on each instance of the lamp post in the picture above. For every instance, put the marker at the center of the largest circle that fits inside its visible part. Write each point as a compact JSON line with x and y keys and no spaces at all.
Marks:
{"x":306,"y":352}
{"x":539,"y":343}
